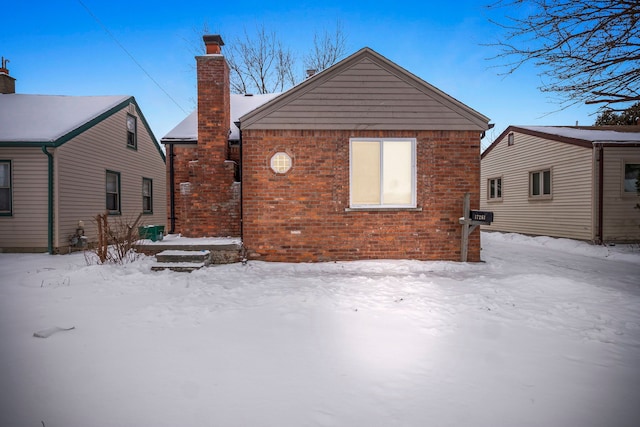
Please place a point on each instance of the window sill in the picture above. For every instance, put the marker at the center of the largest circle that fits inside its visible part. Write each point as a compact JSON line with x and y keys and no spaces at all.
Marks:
{"x":377,"y":209}
{"x":495,"y":200}
{"x":539,"y":198}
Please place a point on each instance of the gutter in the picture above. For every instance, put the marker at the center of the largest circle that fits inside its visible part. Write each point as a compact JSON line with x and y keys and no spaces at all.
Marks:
{"x":50,"y":200}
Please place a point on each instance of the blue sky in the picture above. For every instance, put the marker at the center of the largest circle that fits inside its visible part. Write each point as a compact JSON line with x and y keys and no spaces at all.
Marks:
{"x":59,"y":48}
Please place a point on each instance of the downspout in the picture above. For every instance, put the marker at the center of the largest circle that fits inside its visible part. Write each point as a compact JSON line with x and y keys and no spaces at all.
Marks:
{"x":241,"y":179}
{"x":50,"y":200}
{"x":600,"y":235}
{"x":172,"y":193}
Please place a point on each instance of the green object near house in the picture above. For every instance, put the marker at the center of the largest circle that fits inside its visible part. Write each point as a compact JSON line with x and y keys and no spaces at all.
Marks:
{"x":151,"y":232}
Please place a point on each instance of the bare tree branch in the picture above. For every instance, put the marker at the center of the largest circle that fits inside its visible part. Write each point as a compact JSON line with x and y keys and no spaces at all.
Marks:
{"x":588,"y":50}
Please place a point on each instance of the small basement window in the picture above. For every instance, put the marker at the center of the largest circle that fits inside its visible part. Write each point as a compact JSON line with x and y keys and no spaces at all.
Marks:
{"x":281,"y":162}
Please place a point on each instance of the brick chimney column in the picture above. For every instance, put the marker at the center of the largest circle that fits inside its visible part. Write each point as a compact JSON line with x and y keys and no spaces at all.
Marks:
{"x":212,"y":209}
{"x":7,"y":83}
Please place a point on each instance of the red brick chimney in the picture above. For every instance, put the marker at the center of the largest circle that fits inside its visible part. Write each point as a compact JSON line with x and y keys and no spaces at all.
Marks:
{"x":7,"y":83}
{"x":213,"y":205}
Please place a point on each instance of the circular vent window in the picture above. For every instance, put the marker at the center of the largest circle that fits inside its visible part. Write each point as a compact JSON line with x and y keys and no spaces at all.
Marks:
{"x":281,"y":162}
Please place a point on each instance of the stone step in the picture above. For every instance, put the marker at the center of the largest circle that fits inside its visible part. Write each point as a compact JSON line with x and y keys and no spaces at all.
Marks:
{"x":173,"y":255}
{"x":182,"y":267}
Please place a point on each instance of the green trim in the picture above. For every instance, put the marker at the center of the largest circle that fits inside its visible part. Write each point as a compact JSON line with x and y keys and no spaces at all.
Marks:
{"x":50,"y":200}
{"x":10,"y":211}
{"x":106,"y":198}
{"x":88,"y":125}
{"x":150,"y":195}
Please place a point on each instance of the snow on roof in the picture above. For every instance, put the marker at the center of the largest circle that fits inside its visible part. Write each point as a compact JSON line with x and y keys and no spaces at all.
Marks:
{"x":45,"y":118}
{"x":187,"y":129}
{"x":629,"y":135}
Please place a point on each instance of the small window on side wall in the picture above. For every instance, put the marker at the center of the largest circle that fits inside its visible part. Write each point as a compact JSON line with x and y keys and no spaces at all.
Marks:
{"x":281,"y":162}
{"x":540,"y":184}
{"x":631,"y":183}
{"x":113,"y":192}
{"x":5,"y":188}
{"x":494,"y":189}
{"x":147,"y":195}
{"x":132,"y":132}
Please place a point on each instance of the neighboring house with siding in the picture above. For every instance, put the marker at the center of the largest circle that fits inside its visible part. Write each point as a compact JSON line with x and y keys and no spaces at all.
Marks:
{"x":564,"y":181}
{"x":65,"y":159}
{"x":362,"y":160}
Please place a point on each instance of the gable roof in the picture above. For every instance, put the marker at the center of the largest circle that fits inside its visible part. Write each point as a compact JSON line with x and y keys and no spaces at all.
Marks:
{"x":584,"y":136}
{"x":187,"y":130}
{"x":52,"y":120}
{"x":365,"y":91}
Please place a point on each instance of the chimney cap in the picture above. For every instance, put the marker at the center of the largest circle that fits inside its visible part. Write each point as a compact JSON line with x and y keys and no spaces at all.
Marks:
{"x":214,"y":39}
{"x":212,"y":44}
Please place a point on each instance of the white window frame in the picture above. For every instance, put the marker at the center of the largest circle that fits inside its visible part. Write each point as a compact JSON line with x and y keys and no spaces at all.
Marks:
{"x":382,"y":205}
{"x":542,"y":194}
{"x":498,"y":196}
{"x":626,"y":193}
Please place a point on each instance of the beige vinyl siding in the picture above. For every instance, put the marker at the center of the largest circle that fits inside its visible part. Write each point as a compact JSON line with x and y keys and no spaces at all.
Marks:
{"x":568,"y":213}
{"x":27,"y":228}
{"x":367,"y":95}
{"x":621,"y":221}
{"x":81,"y":166}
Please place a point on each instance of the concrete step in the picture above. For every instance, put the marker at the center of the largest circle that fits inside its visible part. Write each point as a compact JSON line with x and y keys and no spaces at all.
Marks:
{"x":182,"y":267}
{"x":174,"y":255}
{"x":181,"y":260}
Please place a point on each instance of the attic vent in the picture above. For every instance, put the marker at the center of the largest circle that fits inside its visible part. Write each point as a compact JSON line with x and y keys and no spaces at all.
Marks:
{"x":510,"y":139}
{"x":132,"y":108}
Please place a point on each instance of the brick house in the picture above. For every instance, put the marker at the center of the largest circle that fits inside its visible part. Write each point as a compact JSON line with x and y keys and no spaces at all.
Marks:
{"x":363,"y":160}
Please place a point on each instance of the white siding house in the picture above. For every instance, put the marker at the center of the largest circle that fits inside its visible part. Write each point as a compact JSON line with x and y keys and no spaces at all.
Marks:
{"x":564,"y":182}
{"x":66,"y":159}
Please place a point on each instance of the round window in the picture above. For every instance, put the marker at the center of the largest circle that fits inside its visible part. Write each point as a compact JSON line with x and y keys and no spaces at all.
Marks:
{"x":281,"y":162}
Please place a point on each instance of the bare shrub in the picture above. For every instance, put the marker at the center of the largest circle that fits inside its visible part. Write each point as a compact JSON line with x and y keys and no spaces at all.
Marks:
{"x":115,"y":240}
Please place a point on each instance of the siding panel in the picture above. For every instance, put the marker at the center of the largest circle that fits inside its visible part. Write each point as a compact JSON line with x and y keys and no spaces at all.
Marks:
{"x":26,"y":229}
{"x":567,"y":214}
{"x":365,"y":96}
{"x":81,"y":166}
{"x":621,"y":221}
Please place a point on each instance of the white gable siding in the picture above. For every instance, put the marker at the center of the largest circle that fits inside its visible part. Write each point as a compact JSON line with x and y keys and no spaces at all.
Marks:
{"x":621,"y":219}
{"x":81,"y":166}
{"x":567,"y":214}
{"x":27,"y":228}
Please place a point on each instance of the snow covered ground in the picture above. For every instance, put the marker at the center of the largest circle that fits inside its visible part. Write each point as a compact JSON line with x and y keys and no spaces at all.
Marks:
{"x":546,"y":332}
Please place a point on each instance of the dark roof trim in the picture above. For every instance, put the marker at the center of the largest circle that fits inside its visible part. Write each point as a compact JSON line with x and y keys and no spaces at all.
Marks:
{"x":86,"y":126}
{"x":321,"y":77}
{"x":544,"y":135}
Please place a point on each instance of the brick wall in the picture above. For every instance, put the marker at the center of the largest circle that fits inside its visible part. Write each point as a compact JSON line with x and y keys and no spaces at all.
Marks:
{"x":300,"y":216}
{"x":207,"y":204}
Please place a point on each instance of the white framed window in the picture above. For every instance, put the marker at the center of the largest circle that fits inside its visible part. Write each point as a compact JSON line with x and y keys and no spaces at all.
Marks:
{"x":132,"y":131}
{"x":631,"y":179}
{"x":6,"y":196}
{"x":281,"y":162}
{"x":494,"y":189}
{"x":113,"y":192}
{"x":540,"y":184}
{"x":382,"y":172}
{"x":147,"y":195}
